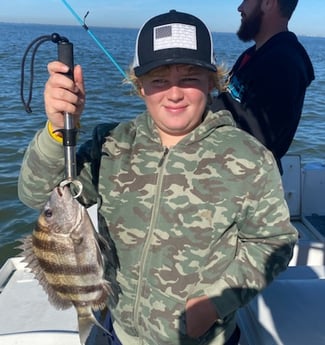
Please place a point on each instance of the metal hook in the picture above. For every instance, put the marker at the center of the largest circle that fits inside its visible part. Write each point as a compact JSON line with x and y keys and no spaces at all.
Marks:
{"x":76,"y":184}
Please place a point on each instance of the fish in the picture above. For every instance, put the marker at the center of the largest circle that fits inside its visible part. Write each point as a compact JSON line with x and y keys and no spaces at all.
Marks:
{"x":65,"y":254}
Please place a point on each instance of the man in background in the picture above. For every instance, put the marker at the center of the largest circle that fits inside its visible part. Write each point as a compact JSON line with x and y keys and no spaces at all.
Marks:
{"x":267,"y":84}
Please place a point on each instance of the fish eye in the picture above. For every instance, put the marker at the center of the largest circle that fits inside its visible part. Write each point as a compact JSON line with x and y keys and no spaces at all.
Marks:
{"x":48,"y":213}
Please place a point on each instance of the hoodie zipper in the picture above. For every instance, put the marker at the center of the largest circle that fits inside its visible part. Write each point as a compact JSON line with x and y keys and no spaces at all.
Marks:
{"x":145,"y":251}
{"x":161,"y":162}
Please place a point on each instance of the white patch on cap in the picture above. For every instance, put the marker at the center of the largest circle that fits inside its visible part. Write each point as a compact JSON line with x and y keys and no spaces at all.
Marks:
{"x":174,"y":35}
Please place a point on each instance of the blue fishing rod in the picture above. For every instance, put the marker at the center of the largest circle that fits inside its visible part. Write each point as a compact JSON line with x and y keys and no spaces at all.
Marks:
{"x":83,"y":24}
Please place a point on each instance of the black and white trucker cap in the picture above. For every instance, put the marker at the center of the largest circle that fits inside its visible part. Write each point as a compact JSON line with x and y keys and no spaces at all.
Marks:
{"x":173,"y":38}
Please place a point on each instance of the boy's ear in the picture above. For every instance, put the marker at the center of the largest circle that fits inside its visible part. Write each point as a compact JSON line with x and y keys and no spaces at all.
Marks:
{"x":141,"y":91}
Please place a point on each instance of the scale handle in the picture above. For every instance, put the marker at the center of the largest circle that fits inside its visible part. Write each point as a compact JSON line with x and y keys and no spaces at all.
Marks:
{"x":65,"y":55}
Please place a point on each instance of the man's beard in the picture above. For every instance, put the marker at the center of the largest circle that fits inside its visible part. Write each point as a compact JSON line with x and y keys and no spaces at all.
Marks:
{"x":250,"y":26}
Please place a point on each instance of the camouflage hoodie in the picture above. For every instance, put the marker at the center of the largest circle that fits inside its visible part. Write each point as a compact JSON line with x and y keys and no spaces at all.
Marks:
{"x":206,"y":216}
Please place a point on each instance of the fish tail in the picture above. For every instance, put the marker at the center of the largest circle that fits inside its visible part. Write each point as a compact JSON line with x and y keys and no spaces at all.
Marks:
{"x":86,"y":323}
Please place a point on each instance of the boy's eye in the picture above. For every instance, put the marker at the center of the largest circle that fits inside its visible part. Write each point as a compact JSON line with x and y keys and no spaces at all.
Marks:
{"x":159,"y":82}
{"x":189,"y":79}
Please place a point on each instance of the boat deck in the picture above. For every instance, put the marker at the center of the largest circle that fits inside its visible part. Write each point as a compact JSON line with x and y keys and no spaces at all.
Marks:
{"x":291,"y":309}
{"x":29,"y":319}
{"x":317,"y":222}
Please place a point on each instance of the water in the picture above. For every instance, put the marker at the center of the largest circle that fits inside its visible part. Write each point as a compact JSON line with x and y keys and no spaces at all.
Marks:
{"x":108,"y":99}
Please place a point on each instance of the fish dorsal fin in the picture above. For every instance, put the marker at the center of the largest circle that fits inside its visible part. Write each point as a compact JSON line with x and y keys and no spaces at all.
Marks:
{"x":34,"y":265}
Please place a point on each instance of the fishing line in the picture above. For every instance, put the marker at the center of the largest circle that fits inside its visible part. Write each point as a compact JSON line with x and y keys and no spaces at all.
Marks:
{"x":84,"y":25}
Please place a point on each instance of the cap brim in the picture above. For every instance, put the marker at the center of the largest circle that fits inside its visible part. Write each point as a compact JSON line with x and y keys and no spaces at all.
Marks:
{"x":141,"y":70}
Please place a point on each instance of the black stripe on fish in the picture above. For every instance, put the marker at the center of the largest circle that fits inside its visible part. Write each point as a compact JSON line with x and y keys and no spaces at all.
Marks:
{"x":92,"y":304}
{"x":94,"y":296}
{"x":53,"y":246}
{"x":54,"y":268}
{"x":77,"y":289}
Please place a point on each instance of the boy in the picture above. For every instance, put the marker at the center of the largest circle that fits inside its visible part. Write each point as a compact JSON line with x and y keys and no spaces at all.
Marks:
{"x":194,"y":206}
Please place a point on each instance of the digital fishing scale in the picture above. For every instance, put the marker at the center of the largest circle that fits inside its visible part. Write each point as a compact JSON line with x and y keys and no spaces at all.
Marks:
{"x":69,"y":132}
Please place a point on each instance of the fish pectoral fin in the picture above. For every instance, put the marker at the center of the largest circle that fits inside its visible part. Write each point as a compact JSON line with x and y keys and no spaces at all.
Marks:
{"x":76,"y":237}
{"x":85,"y":325}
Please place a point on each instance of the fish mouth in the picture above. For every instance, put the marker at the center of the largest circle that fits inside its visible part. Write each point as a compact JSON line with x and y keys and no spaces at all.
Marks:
{"x":59,"y":191}
{"x":63,"y":191}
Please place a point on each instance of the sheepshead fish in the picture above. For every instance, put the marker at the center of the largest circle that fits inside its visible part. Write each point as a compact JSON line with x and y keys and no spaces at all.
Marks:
{"x":63,"y":253}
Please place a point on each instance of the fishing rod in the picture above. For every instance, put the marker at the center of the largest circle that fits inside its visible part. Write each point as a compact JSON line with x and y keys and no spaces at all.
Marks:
{"x":91,"y":34}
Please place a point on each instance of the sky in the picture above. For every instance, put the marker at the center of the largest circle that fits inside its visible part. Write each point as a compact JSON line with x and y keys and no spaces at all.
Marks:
{"x":220,"y":16}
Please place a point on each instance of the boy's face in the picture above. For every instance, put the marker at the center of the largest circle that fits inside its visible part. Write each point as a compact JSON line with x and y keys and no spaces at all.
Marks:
{"x":176,"y":98}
